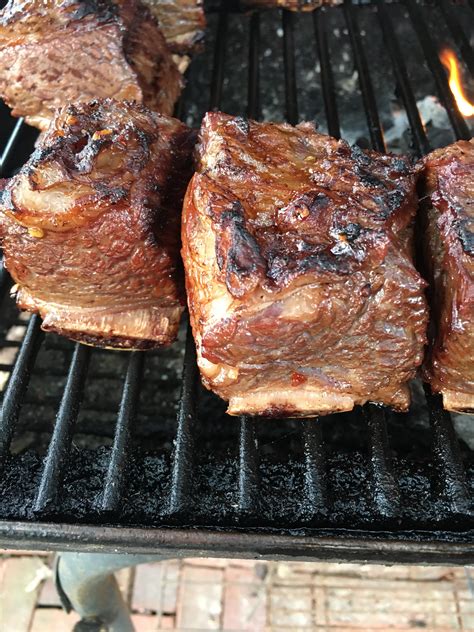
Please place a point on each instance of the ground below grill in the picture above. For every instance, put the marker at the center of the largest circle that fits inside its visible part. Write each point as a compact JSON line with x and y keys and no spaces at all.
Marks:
{"x":100,"y":449}
{"x":224,"y":594}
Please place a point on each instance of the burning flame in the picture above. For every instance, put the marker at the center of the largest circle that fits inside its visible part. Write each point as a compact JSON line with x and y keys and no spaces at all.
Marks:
{"x":448,"y":59}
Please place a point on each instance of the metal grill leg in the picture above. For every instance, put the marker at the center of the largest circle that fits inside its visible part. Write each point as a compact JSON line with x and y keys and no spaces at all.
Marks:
{"x":86,"y":584}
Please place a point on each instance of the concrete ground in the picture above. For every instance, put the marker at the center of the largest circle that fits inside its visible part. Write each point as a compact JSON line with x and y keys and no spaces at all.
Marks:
{"x":221,"y":594}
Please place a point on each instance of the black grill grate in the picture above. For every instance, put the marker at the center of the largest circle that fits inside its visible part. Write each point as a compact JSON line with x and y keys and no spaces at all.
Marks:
{"x":363,"y":485}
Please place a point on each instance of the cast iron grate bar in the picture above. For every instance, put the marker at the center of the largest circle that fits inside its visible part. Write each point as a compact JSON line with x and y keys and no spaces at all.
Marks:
{"x":437,"y":70}
{"x":249,"y":479}
{"x":7,"y":152}
{"x":115,"y":479}
{"x":459,"y":36}
{"x":253,"y":109}
{"x":60,"y":443}
{"x":315,"y":479}
{"x":447,"y":456}
{"x":183,"y":455}
{"x":386,"y":494}
{"x":248,"y":467}
{"x":420,"y":139}
{"x":217,"y":81}
{"x":313,"y":446}
{"x":18,"y":383}
{"x":451,"y":475}
{"x":327,"y":79}
{"x":368,"y":98}
{"x":291,"y":99}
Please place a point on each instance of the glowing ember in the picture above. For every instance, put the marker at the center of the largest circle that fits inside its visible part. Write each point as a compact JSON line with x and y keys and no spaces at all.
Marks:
{"x":448,"y":59}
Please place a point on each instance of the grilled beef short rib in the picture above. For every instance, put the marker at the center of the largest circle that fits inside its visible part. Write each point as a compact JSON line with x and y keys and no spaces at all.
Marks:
{"x":55,"y":53}
{"x":298,"y":255}
{"x":448,"y":215}
{"x":90,"y":225}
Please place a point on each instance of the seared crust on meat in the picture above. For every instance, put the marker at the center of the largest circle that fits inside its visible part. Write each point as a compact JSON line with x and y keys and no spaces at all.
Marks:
{"x":448,"y":214}
{"x":301,"y":287}
{"x":56,"y":53}
{"x":90,"y":225}
{"x":182,"y":22}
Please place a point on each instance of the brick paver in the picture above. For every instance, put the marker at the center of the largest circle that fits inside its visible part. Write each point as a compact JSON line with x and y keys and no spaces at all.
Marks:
{"x":234,"y":595}
{"x":50,"y":620}
{"x":48,"y":596}
{"x":200,"y":598}
{"x":125,"y":579}
{"x":245,"y":599}
{"x":291,"y":606}
{"x":145,"y":623}
{"x":18,"y":592}
{"x":147,"y":588}
{"x":169,"y":593}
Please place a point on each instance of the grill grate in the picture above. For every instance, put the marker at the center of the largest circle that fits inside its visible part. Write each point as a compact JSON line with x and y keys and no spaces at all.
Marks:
{"x":363,"y":485}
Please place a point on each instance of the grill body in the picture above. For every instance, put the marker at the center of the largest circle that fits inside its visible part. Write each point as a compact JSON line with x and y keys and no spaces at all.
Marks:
{"x":107,"y":451}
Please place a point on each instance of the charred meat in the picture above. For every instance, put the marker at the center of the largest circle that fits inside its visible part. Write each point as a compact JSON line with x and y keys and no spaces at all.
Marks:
{"x":298,"y":256}
{"x":90,"y":225}
{"x":55,"y":53}
{"x":448,"y":215}
{"x":182,"y":22}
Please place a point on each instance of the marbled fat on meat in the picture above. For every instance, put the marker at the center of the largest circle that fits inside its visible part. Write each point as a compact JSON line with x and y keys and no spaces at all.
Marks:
{"x":90,"y":225}
{"x":182,"y":22}
{"x":302,"y":292}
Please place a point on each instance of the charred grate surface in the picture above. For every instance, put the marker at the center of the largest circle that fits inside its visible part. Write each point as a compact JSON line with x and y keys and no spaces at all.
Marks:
{"x":101,"y":448}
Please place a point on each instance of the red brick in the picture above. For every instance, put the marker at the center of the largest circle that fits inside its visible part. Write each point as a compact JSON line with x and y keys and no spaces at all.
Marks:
{"x":307,"y":568}
{"x":294,"y":598}
{"x":242,"y":574}
{"x":466,"y":606}
{"x":23,"y":553}
{"x":392,"y":619}
{"x":167,"y":622}
{"x":16,"y":604}
{"x":144,"y":623}
{"x":169,"y":596}
{"x":435,"y":588}
{"x":286,"y":575}
{"x":199,"y":598}
{"x":373,"y":601}
{"x":207,"y":562}
{"x":49,"y":595}
{"x":244,"y":600}
{"x":51,"y":620}
{"x":124,"y":579}
{"x":291,"y":606}
{"x":147,"y":587}
{"x":320,"y":606}
{"x":292,"y":619}
{"x":379,"y":571}
{"x":365,"y":628}
{"x":246,"y":563}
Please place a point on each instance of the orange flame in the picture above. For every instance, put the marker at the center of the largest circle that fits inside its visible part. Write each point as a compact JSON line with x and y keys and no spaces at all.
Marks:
{"x":448,"y":59}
